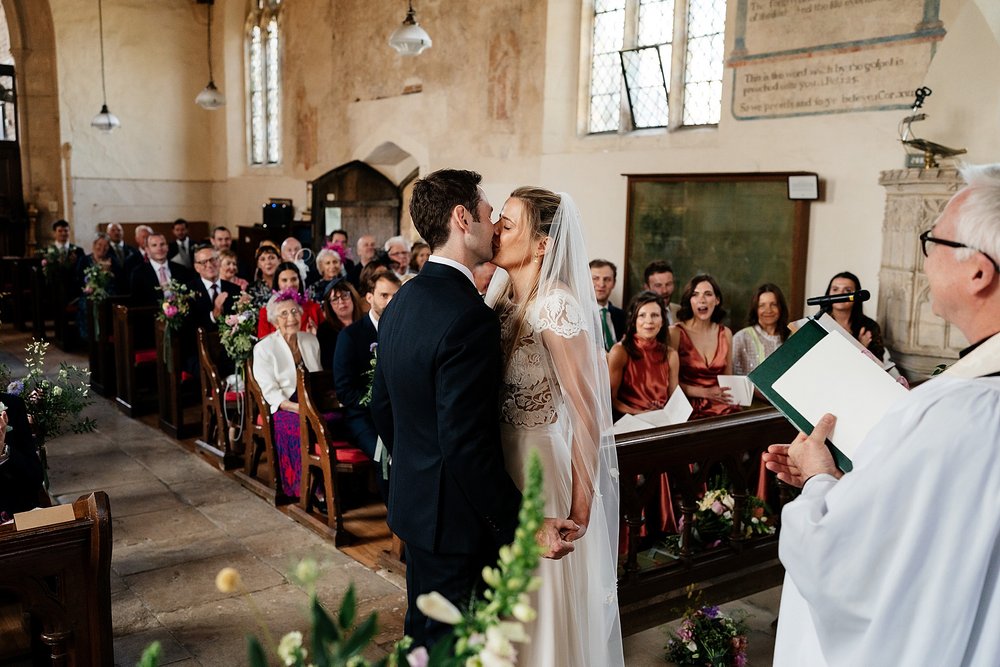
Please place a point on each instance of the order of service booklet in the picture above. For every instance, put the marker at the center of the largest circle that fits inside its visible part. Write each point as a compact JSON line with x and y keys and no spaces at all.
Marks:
{"x":817,"y":371}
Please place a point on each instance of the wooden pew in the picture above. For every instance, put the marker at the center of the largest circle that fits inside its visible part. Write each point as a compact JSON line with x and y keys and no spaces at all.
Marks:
{"x":101,"y":325}
{"x":17,"y":283}
{"x":135,"y":359}
{"x":60,"y":577}
{"x":260,"y":467}
{"x":176,"y":387}
{"x":649,"y":597}
{"x":323,"y":456}
{"x":218,"y":407}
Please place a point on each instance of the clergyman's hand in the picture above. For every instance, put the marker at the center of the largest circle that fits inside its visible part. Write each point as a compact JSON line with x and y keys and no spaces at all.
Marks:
{"x":550,"y":537}
{"x":805,"y":457}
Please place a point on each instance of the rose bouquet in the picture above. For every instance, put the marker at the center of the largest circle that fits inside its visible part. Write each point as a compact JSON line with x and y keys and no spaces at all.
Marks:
{"x":96,"y":281}
{"x":238,"y":332}
{"x":712,"y":521}
{"x":708,"y":637}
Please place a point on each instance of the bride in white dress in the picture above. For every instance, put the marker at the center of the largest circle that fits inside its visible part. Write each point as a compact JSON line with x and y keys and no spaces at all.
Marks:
{"x":556,"y":400}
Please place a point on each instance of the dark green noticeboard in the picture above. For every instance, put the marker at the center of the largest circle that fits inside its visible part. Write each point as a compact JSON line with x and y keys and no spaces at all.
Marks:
{"x":741,"y":228}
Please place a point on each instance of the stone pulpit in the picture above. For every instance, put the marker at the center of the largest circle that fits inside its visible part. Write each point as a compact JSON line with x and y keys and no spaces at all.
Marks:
{"x":918,"y":339}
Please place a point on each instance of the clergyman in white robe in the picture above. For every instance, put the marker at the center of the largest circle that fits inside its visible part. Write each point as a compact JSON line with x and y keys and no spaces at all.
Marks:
{"x":898,"y":562}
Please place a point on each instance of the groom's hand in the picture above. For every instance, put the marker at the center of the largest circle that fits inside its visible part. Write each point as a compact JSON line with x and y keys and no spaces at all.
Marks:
{"x":550,"y":537}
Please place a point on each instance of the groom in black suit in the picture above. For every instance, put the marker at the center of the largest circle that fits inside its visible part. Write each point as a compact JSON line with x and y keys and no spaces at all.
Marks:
{"x":435,"y":405}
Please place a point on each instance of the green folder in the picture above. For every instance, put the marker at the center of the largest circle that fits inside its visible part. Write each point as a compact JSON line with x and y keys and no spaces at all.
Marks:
{"x":774,"y":366}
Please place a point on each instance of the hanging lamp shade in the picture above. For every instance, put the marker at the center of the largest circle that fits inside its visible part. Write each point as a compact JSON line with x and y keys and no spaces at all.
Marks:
{"x":210,"y":98}
{"x":410,"y":39}
{"x":105,"y":121}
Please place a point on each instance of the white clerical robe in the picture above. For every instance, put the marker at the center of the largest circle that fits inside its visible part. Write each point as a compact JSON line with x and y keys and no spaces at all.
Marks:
{"x":898,"y":563}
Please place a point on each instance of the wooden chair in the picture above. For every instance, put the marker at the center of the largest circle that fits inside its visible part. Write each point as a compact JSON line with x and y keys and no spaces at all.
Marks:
{"x":59,"y":576}
{"x":175,"y":387}
{"x":100,"y":327}
{"x":216,"y":403}
{"x":260,"y":466}
{"x":322,"y":455}
{"x":135,"y":357}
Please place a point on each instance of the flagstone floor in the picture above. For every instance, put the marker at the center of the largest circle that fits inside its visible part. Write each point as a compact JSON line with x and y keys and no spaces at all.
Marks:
{"x":177,"y":521}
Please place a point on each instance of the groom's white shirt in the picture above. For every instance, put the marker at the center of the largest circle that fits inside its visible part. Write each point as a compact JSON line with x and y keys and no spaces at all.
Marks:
{"x":899,"y":562}
{"x":438,"y":259}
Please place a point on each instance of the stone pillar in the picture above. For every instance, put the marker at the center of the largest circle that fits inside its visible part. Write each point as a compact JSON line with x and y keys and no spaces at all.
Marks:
{"x":918,"y":339}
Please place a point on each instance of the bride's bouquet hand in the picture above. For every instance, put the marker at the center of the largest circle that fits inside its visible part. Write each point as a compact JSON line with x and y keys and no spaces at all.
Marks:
{"x":550,"y":537}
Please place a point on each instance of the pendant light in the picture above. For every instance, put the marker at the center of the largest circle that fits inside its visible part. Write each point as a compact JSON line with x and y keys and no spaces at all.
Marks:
{"x":105,"y":121}
{"x":210,"y":98}
{"x":410,"y":39}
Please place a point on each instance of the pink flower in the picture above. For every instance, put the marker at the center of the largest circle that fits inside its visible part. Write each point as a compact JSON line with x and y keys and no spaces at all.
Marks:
{"x":45,"y":262}
{"x":232,"y":320}
{"x":418,"y":657}
{"x":718,"y":507}
{"x":170,"y":310}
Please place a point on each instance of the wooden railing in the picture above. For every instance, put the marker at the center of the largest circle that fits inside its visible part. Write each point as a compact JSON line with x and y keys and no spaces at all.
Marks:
{"x":692,"y":454}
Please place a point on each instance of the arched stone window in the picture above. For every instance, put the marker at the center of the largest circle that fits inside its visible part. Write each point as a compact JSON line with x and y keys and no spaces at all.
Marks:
{"x":263,"y":82}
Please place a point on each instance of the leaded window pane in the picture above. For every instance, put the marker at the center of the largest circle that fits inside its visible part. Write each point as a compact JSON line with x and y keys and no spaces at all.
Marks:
{"x":273,"y":52}
{"x":647,"y":89}
{"x":656,"y":22}
{"x":256,"y":85}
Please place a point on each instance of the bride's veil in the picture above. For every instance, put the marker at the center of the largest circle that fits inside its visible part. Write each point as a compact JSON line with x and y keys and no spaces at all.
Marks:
{"x":573,"y":338}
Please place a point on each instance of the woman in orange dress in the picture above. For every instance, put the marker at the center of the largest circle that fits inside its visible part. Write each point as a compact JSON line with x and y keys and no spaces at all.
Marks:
{"x":644,"y":371}
{"x":286,"y":277}
{"x":705,"y":348}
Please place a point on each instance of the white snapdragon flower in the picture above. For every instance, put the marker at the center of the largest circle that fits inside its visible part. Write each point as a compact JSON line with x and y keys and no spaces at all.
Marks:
{"x":290,"y":648}
{"x":438,"y":607}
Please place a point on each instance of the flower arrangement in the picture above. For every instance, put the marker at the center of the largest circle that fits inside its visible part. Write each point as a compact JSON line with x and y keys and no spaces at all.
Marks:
{"x":483,"y":636}
{"x":370,"y":375}
{"x":96,"y":281}
{"x":239,"y":330}
{"x":55,"y":262}
{"x":53,"y":404}
{"x":712,"y":522}
{"x":175,"y":305}
{"x":709,"y":637}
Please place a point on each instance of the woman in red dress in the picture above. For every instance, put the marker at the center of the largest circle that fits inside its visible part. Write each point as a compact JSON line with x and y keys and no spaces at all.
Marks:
{"x":705,"y":348}
{"x":287,"y":277}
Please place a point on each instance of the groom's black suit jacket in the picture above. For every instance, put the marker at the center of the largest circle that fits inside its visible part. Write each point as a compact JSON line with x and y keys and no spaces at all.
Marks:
{"x":435,"y":404}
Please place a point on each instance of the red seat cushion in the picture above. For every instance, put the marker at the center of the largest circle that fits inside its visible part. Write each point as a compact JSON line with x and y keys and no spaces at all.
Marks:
{"x":145,"y":357}
{"x":185,"y":376}
{"x":233,"y":396}
{"x":351,"y":455}
{"x":260,"y":420}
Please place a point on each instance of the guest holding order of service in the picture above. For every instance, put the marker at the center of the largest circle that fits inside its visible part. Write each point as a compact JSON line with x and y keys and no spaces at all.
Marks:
{"x":704,"y":346}
{"x":287,"y":277}
{"x":767,"y":329}
{"x":275,"y":358}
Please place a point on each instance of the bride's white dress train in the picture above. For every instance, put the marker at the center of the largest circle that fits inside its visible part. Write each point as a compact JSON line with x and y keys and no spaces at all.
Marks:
{"x":541,"y":402}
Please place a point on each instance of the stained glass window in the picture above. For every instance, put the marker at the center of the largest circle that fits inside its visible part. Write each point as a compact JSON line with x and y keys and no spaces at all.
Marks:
{"x":263,"y":47}
{"x":641,"y":76}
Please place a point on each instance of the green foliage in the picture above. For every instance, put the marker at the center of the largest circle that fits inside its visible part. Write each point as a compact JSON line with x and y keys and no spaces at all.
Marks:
{"x":239,"y":331}
{"x":97,"y":281}
{"x":151,"y":656}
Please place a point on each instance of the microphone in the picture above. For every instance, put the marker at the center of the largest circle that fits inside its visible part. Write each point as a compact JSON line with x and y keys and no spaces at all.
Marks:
{"x":861,"y":295}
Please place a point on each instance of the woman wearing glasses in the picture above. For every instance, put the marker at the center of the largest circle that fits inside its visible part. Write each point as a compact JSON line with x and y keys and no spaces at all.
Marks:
{"x":341,"y":307}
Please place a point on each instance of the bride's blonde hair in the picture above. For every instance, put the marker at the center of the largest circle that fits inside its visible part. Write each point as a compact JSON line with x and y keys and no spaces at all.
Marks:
{"x":539,"y":206}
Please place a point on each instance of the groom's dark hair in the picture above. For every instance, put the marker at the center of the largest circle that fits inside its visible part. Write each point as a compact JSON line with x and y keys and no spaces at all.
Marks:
{"x":434,"y":198}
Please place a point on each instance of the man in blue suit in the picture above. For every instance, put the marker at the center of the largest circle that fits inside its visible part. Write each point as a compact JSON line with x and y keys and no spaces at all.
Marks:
{"x":435,"y":404}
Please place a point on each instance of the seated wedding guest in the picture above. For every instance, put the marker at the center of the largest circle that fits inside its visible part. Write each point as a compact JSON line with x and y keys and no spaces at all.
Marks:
{"x":20,"y":467}
{"x":398,"y":250}
{"x":482,"y":274}
{"x":148,"y":277}
{"x":380,"y":264}
{"x":229,"y":269}
{"x":292,"y":251}
{"x":604,"y":275}
{"x":366,"y":249}
{"x":851,"y":315}
{"x":658,"y":277}
{"x":338,"y":241}
{"x":213,"y":297}
{"x":222,"y":239}
{"x":267,"y":258}
{"x":142,"y":233}
{"x":100,"y":255}
{"x":704,"y":347}
{"x":418,"y":256}
{"x":116,"y":241}
{"x":767,"y":329}
{"x":341,"y":308}
{"x":351,"y":363}
{"x":643,"y":367}
{"x":287,"y":278}
{"x":330,"y":268}
{"x":182,"y":246}
{"x":275,"y":358}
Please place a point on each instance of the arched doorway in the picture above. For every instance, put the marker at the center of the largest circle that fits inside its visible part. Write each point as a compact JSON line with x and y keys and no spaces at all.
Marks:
{"x":357,"y":198}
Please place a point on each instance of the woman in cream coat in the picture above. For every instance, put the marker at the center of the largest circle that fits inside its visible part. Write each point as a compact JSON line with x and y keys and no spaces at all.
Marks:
{"x":275,"y":359}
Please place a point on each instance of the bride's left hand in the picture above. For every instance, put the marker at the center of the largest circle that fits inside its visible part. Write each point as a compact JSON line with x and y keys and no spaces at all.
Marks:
{"x":574,"y":535}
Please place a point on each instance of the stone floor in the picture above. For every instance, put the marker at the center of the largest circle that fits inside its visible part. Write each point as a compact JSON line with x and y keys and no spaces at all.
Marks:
{"x":177,"y":521}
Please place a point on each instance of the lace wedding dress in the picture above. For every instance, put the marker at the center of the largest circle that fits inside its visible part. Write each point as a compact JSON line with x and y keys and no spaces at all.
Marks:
{"x":546,"y":396}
